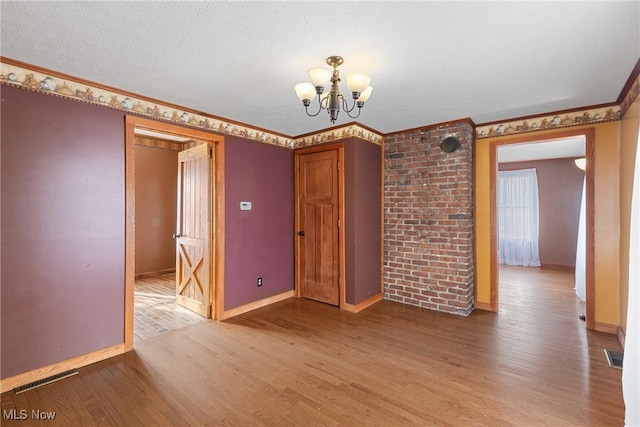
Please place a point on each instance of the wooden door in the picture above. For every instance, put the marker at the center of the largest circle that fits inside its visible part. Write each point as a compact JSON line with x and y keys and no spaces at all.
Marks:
{"x":193,"y":234}
{"x":318,"y":221}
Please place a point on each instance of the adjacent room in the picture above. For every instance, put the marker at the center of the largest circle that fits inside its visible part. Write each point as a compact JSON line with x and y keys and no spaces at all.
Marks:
{"x":540,"y":190}
{"x":156,"y":305}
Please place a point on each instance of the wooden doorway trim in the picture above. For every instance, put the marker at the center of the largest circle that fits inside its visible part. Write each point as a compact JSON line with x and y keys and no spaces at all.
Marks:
{"x":217,"y":261}
{"x":589,"y":135}
{"x":339,"y":146}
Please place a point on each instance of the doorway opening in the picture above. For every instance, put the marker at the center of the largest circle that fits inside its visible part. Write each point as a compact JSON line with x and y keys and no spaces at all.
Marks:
{"x":173,"y":227}
{"x":525,"y":151}
{"x":156,"y":186}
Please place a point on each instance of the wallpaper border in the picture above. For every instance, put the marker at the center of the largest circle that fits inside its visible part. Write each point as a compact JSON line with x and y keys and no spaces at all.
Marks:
{"x":56,"y":84}
{"x":52,"y":83}
{"x":558,"y":120}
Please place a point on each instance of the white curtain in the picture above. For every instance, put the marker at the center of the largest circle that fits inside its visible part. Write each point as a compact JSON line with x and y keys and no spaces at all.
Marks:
{"x":631,"y":365}
{"x":518,"y":217}
{"x":581,"y":249}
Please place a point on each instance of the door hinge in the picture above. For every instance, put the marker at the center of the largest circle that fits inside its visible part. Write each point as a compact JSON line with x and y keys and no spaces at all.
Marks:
{"x":211,"y":152}
{"x":338,"y":223}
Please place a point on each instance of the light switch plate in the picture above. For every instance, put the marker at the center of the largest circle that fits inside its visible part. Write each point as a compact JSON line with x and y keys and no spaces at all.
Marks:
{"x":245,"y":206}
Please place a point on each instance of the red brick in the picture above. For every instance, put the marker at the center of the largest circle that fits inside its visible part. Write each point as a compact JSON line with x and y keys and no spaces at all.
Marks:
{"x":428,"y":223}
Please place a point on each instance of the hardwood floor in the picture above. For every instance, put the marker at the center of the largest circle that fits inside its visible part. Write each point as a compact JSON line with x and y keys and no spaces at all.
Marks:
{"x":156,"y":310}
{"x":304,"y":363}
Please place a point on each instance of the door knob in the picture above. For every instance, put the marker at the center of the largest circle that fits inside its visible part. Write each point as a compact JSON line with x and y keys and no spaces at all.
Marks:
{"x":301,"y":233}
{"x":175,"y":236}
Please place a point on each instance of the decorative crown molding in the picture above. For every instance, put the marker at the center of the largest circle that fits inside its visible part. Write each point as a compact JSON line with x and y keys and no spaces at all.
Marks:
{"x":53,"y":83}
{"x":546,"y":122}
{"x":18,"y":74}
{"x":632,"y":93}
{"x":567,"y":119}
{"x":330,"y":135}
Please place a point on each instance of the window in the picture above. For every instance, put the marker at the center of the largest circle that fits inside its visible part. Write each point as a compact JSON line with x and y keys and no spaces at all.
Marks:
{"x":518,"y":225}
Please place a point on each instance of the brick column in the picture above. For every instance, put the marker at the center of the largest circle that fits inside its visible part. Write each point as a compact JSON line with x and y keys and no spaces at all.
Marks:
{"x":428,"y":224}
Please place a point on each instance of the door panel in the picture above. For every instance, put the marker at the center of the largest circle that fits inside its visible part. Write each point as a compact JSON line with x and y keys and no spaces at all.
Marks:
{"x":193,"y":234}
{"x":319,"y":210}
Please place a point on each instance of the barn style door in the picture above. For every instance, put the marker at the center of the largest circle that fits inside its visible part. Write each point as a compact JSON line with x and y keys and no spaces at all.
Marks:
{"x":193,"y":234}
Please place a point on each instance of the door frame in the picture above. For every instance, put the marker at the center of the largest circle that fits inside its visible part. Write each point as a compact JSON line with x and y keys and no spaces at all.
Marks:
{"x":589,"y":135}
{"x":217,"y":231}
{"x":339,"y":147}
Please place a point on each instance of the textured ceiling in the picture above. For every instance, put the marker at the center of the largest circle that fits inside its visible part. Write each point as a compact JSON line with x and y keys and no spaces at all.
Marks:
{"x":429,"y":61}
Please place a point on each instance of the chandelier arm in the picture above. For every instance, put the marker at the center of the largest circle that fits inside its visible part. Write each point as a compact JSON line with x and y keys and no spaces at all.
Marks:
{"x":306,"y":108}
{"x":349,"y":110}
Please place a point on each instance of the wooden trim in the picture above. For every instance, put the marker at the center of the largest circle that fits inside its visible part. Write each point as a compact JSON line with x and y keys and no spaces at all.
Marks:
{"x":494,"y":278}
{"x":629,"y":83}
{"x":172,"y":129}
{"x":10,"y":383}
{"x":79,"y":80}
{"x":466,"y":120}
{"x":558,"y":267}
{"x":164,"y":144}
{"x":621,"y":336}
{"x":474,"y":162}
{"x":255,"y":305}
{"x":296,"y":225}
{"x":355,"y":308}
{"x":590,"y":272}
{"x":219,"y":238}
{"x":606,"y":328}
{"x":155,"y":273}
{"x":589,"y":134}
{"x":382,"y":193}
{"x":211,"y":220}
{"x":483,"y":306}
{"x":319,"y":148}
{"x":341,"y":231}
{"x":217,"y":141}
{"x":130,"y":233}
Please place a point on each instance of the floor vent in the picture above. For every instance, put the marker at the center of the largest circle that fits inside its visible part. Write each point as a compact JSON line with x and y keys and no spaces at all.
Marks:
{"x":44,"y":381}
{"x":614,"y":358}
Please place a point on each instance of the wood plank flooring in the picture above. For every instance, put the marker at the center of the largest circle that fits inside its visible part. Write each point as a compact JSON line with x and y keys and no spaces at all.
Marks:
{"x":156,"y":310}
{"x":303,"y":363}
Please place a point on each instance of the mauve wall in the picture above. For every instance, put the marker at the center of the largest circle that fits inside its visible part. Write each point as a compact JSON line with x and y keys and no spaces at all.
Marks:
{"x":259,"y":242}
{"x":559,"y":193}
{"x":156,"y":192}
{"x":363,"y":220}
{"x":62,"y":226}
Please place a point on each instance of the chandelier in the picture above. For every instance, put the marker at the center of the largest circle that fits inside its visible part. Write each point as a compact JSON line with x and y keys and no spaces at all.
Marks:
{"x":333,"y":100}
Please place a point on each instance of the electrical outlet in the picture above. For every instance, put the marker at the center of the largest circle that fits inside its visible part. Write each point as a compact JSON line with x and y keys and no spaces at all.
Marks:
{"x":259,"y":281}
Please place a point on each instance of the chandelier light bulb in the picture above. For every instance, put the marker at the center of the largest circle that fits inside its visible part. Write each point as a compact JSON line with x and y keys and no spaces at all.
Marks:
{"x":320,"y":77}
{"x":357,"y":83}
{"x":364,"y":96}
{"x":305,"y":91}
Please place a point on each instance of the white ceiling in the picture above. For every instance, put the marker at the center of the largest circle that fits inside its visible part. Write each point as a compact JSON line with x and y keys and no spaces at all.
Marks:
{"x":429,"y":61}
{"x":556,"y":149}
